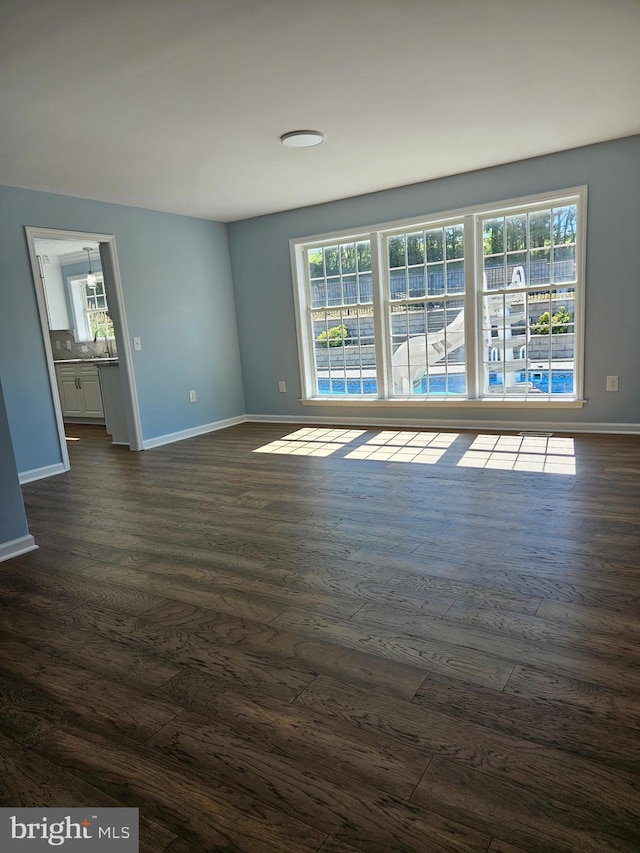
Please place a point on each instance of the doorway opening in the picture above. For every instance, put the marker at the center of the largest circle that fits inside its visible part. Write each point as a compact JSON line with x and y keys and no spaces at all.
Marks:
{"x":84,"y":332}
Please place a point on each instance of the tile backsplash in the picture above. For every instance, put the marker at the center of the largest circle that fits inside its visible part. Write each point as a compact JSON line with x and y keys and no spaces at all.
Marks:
{"x":70,"y":348}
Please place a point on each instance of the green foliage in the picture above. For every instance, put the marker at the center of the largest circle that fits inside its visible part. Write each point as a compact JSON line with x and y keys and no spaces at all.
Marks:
{"x":539,"y":229}
{"x":561,"y":320}
{"x":560,"y":323}
{"x":336,"y":336}
{"x":315,"y":263}
{"x":428,"y":245}
{"x":100,"y":325}
{"x":493,"y":236}
{"x":435,"y":247}
{"x":348,"y":258}
{"x":454,"y":235}
{"x":364,"y":256}
{"x":396,"y":250}
{"x":415,"y":248}
{"x":345,"y":259}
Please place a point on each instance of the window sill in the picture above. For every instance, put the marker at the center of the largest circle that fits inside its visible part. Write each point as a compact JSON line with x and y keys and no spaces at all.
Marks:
{"x":451,"y":403}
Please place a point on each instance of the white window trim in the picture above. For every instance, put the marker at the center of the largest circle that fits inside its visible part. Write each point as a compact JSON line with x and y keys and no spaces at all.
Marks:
{"x":473,"y":295}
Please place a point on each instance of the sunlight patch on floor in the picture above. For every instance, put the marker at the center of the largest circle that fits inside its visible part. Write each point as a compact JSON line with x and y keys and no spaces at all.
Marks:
{"x":539,"y":454}
{"x":311,"y":442}
{"x":424,"y":448}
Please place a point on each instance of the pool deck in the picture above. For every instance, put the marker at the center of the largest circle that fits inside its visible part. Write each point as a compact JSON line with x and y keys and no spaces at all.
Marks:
{"x":441,"y":369}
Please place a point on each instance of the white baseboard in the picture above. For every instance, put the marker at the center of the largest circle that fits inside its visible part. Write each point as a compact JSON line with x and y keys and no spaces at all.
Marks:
{"x":613,"y":429}
{"x":169,"y":438}
{"x":475,"y":424}
{"x":16,"y":547}
{"x":41,"y":473}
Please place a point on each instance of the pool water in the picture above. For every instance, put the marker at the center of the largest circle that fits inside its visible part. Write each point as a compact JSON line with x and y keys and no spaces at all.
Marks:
{"x":561,"y":383}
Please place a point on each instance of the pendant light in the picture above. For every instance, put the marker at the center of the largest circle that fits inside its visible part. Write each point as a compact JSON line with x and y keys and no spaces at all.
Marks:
{"x":92,"y":279}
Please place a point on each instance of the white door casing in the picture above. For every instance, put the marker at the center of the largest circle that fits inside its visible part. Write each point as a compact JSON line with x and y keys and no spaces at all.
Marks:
{"x":115,"y":300}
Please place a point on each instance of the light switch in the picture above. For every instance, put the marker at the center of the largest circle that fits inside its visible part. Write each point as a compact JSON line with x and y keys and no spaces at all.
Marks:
{"x":137,"y":343}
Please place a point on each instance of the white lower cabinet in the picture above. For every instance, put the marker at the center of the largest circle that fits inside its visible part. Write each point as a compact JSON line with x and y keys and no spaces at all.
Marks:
{"x":79,"y":388}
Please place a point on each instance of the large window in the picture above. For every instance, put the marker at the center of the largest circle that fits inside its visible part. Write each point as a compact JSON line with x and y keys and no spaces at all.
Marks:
{"x":482,"y":304}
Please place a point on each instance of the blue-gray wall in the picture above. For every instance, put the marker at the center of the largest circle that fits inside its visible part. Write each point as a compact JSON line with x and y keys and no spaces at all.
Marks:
{"x":178,"y":297}
{"x":13,"y":522}
{"x":264,"y":295}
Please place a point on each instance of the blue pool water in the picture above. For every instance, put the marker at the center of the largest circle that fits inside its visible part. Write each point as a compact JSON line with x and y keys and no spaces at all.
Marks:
{"x":561,"y":383}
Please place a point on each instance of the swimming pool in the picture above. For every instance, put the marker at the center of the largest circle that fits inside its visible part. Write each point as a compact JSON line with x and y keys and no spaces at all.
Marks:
{"x":561,"y":383}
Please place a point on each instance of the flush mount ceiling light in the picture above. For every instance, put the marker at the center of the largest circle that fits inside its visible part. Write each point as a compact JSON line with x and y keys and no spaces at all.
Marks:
{"x":302,"y":138}
{"x":92,"y":279}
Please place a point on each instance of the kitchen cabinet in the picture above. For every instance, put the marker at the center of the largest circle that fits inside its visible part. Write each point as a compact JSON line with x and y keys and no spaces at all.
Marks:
{"x":114,"y":415}
{"x":79,"y":388}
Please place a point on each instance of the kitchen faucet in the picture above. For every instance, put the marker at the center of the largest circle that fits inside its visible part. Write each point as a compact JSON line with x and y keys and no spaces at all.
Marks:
{"x":107,"y":349}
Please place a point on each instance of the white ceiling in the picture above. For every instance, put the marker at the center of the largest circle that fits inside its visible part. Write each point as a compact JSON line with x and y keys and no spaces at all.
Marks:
{"x":57,"y":250}
{"x":178,"y":105}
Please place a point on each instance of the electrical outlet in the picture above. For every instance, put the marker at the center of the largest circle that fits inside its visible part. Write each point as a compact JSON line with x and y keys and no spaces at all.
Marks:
{"x":137,"y":343}
{"x":282,"y":386}
{"x":67,"y":344}
{"x":192,"y":396}
{"x":58,"y":345}
{"x":84,"y":348}
{"x":612,"y":383}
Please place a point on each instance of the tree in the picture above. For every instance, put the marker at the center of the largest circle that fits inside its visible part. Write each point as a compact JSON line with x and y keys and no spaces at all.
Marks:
{"x":396,"y":251}
{"x":538,"y":229}
{"x":335,"y":336}
{"x":364,"y":256}
{"x":560,"y":323}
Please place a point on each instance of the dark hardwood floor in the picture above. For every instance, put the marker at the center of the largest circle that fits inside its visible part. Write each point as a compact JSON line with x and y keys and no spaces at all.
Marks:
{"x":282,"y":639}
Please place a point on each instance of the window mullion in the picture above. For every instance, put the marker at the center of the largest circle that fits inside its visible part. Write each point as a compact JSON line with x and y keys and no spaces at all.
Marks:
{"x":379,"y":279}
{"x":579,"y":301}
{"x":472,"y":312}
{"x":304,"y":329}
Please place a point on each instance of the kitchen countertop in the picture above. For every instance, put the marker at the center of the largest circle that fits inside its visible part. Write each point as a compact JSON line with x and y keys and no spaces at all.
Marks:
{"x":96,"y":360}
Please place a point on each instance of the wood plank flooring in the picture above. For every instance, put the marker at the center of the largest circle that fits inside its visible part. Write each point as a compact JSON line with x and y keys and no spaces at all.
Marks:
{"x":288,"y":639}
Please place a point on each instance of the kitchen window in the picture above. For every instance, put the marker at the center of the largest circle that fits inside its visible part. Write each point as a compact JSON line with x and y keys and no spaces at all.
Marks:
{"x":91,"y":313}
